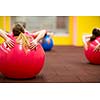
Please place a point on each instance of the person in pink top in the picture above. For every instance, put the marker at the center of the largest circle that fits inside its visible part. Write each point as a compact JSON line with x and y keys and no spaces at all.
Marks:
{"x":91,"y":37}
{"x":19,"y":29}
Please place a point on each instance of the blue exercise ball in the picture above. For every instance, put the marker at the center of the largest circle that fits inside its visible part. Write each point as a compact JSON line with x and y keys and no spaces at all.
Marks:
{"x":47,"y":43}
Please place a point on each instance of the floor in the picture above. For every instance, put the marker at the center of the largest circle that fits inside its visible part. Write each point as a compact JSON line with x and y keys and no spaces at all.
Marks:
{"x":64,"y":64}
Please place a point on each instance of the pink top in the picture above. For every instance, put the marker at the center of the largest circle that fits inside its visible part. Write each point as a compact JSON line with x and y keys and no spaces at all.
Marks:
{"x":27,"y":33}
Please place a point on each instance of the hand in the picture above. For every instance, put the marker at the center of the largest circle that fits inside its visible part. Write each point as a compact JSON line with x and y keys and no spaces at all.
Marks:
{"x":9,"y":43}
{"x":50,"y":34}
{"x":33,"y":44}
{"x":97,"y":48}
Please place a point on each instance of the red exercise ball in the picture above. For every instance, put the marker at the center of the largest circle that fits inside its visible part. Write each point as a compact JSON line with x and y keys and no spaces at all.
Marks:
{"x":93,"y":56}
{"x":18,"y":64}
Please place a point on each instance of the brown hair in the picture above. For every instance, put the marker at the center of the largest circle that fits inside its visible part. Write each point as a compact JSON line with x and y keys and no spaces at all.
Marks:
{"x":17,"y":29}
{"x":95,"y":34}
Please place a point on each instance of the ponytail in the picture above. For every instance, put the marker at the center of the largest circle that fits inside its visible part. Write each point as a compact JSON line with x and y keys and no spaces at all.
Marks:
{"x":95,"y":34}
{"x":92,"y":38}
{"x":24,"y":40}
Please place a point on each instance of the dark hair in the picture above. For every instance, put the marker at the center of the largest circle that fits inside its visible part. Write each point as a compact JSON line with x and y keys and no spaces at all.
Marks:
{"x":17,"y":29}
{"x":95,"y":34}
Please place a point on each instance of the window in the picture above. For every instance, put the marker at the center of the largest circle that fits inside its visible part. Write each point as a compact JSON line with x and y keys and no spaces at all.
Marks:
{"x":56,"y":24}
{"x":61,"y":22}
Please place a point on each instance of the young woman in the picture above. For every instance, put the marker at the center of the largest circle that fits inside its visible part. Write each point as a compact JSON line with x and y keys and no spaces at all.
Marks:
{"x":19,"y":33}
{"x":89,"y":38}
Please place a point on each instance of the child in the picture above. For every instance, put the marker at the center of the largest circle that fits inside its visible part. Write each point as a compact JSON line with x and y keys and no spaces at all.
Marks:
{"x":88,"y":38}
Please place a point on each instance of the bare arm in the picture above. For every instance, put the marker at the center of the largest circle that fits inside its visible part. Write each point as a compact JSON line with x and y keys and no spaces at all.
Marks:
{"x":97,"y":48}
{"x":51,"y":34}
{"x":3,"y":34}
{"x":86,"y":39}
{"x":8,"y":41}
{"x":39,"y":35}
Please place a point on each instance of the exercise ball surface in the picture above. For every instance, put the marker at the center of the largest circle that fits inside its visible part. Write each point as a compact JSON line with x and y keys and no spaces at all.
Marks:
{"x":18,"y":64}
{"x":47,"y":43}
{"x":93,"y":56}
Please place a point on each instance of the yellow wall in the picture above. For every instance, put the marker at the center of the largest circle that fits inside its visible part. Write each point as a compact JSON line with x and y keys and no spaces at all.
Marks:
{"x":85,"y":24}
{"x":78,"y":25}
{"x":66,"y":39}
{"x":1,"y":22}
{"x":4,"y":24}
{"x":58,"y":40}
{"x":62,"y":40}
{"x":1,"y":27}
{"x":7,"y":25}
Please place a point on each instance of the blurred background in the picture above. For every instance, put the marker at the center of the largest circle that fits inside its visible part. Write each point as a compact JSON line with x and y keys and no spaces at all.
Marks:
{"x":68,"y":30}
